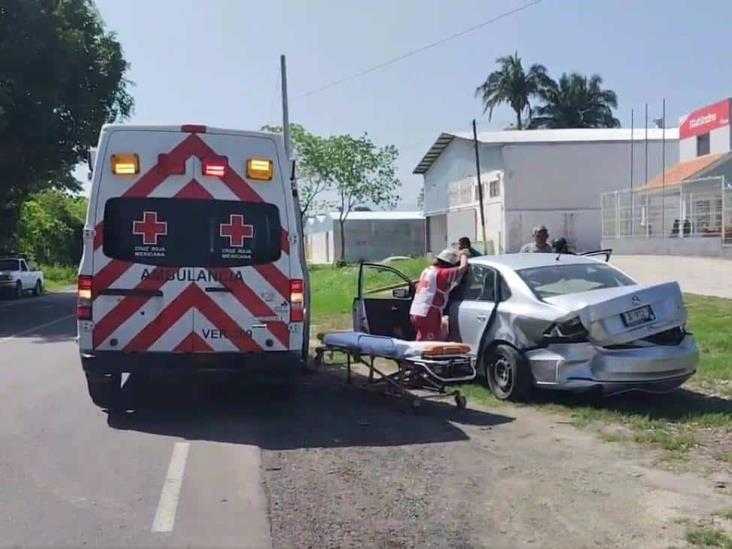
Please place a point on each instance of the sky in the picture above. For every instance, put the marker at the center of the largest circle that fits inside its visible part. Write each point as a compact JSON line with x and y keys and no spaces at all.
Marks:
{"x":217,"y":62}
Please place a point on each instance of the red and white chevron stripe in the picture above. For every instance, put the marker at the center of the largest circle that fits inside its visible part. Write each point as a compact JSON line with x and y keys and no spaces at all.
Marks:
{"x":252,"y":317}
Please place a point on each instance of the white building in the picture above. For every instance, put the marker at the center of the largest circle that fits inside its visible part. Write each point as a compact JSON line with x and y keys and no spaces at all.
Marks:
{"x":552,"y":177}
{"x":370,"y":236}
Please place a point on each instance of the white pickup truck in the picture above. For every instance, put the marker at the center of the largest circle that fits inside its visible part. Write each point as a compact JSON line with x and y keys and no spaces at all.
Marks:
{"x":17,"y":279}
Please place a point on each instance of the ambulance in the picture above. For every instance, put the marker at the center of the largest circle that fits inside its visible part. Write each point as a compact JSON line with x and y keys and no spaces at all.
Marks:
{"x":193,"y":255}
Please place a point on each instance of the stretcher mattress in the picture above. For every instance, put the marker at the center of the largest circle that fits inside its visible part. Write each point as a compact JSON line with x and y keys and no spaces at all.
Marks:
{"x":390,"y":347}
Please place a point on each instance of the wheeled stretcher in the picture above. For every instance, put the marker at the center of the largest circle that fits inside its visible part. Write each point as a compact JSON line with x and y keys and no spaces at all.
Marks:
{"x":428,"y":367}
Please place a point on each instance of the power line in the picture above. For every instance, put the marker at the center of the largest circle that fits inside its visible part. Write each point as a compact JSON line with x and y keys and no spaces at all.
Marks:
{"x":417,"y":50}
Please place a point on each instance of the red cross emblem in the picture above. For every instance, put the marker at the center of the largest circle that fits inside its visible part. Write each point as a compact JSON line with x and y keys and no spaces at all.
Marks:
{"x":150,"y":228}
{"x":236,"y":231}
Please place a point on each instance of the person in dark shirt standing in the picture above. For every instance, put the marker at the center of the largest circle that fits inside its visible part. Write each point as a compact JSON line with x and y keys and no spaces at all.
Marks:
{"x":464,"y":244}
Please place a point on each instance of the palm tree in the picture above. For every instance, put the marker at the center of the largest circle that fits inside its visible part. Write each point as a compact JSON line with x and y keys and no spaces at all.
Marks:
{"x":576,"y":102}
{"x":513,"y":85}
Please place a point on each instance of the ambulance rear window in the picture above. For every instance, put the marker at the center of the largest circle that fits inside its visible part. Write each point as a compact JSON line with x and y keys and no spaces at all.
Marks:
{"x":175,"y":232}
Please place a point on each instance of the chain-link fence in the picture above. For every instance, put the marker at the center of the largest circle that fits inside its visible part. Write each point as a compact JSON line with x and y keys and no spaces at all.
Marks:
{"x":694,"y":208}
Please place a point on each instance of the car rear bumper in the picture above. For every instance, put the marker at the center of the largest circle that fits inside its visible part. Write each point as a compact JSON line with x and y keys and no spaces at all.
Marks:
{"x":582,"y":366}
{"x":104,"y":362}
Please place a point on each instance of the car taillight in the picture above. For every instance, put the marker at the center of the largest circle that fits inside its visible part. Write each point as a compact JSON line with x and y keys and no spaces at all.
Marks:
{"x":568,"y":331}
{"x":84,"y":298}
{"x":297,"y":301}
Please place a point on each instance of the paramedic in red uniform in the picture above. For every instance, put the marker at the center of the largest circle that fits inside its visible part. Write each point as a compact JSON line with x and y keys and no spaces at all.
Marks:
{"x":433,"y":288}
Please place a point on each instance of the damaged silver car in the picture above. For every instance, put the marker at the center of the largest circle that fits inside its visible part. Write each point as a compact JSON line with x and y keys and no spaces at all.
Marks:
{"x":549,"y":321}
{"x":573,"y":323}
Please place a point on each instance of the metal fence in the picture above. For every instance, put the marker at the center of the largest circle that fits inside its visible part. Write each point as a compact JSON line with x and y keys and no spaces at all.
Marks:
{"x":692,"y":209}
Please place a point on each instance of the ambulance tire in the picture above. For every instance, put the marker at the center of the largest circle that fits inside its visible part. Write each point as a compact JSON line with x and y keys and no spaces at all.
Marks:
{"x":105,"y":389}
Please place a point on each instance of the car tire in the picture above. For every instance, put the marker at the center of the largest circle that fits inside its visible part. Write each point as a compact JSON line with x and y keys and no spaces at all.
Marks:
{"x":507,"y":373}
{"x":18,"y":293}
{"x":105,"y":389}
{"x":38,"y":288}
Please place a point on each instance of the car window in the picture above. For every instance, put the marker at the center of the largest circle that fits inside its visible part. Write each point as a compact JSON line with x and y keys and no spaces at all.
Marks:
{"x":8,"y":264}
{"x":556,"y":280}
{"x":23,"y":266}
{"x":479,"y":284}
{"x":191,"y":233}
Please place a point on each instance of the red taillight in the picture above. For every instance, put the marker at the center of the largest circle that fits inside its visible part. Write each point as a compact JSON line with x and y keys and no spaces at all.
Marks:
{"x":84,"y":298}
{"x":193,"y":128}
{"x":169,"y":166}
{"x":215,"y":166}
{"x":297,"y":301}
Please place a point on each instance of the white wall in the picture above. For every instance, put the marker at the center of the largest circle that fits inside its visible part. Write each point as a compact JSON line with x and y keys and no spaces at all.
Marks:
{"x":437,"y":233}
{"x":456,"y":163}
{"x":564,"y":176}
{"x":321,"y":247}
{"x":719,"y":140}
{"x":581,"y":228}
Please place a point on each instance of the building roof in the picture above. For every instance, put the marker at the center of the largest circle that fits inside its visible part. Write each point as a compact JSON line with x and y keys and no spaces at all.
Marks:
{"x":324,"y":222}
{"x":368,"y":216}
{"x":580,"y":135}
{"x":691,"y":169}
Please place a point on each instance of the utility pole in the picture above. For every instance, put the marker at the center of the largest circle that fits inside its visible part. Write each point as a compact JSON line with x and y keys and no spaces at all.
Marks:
{"x":663,"y":172}
{"x":480,"y":188}
{"x":632,"y":145}
{"x":285,"y":112}
{"x":645,"y":162}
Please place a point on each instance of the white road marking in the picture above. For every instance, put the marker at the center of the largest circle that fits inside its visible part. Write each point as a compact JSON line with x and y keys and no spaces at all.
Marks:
{"x":34,"y":328}
{"x":168,"y":504}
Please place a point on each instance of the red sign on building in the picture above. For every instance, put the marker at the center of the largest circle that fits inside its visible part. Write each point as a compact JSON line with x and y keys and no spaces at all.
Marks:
{"x":704,"y":120}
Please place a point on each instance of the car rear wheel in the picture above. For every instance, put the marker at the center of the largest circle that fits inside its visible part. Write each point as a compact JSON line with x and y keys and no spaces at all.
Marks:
{"x":507,"y":373}
{"x":38,"y":288}
{"x":104,"y":389}
{"x":18,"y":290}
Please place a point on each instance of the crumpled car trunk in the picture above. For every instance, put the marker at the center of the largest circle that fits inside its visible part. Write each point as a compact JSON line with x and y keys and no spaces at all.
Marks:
{"x":617,"y":316}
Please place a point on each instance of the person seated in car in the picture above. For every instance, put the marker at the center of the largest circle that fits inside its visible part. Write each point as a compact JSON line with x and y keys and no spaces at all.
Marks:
{"x":433,"y":288}
{"x":464,"y":244}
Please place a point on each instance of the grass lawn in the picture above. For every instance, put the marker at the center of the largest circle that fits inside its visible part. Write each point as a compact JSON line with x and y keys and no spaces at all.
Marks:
{"x":697,"y":416}
{"x":333,"y":290}
{"x":57,"y":277}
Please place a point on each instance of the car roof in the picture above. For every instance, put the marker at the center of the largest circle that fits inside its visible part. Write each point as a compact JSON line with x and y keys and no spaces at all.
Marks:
{"x":531,"y":260}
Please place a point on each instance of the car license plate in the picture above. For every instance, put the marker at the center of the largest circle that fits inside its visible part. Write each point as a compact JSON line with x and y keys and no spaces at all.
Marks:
{"x":638,"y":316}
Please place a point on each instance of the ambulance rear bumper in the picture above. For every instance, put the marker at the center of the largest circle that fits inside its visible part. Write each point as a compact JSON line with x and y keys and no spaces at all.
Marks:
{"x":105,"y":362}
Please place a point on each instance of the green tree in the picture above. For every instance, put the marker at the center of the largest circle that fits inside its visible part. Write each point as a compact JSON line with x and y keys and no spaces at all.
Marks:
{"x":61,"y":78}
{"x":50,"y":227}
{"x":311,"y":153}
{"x":576,"y":102}
{"x":513,"y":85}
{"x":361,"y":174}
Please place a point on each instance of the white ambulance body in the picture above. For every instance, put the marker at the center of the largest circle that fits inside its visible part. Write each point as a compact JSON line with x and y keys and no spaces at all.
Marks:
{"x":192,"y":255}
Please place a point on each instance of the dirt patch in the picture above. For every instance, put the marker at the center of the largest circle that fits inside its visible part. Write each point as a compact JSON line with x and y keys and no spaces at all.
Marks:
{"x":358,"y":470}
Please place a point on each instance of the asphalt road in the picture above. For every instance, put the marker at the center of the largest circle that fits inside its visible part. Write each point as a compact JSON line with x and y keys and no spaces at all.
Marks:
{"x":255,"y":462}
{"x":72,"y":476}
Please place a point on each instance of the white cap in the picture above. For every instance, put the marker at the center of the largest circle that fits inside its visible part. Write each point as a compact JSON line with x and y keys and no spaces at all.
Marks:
{"x":448,"y":255}
{"x":539,"y":228}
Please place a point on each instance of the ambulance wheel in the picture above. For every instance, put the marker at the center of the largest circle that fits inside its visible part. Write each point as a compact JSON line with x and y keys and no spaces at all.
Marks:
{"x":105,"y":389}
{"x":507,"y":373}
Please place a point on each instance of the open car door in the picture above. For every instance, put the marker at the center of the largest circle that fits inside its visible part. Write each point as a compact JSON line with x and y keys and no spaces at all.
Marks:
{"x":381,"y":306}
{"x":606,"y":253}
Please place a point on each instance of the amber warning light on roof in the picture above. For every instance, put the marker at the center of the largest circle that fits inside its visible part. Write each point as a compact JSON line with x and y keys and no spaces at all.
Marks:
{"x":125,"y":164}
{"x":259,"y":169}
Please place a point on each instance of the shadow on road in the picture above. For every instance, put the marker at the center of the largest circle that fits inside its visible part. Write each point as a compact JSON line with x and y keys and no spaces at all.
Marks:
{"x":680,"y":405}
{"x":316,"y":411}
